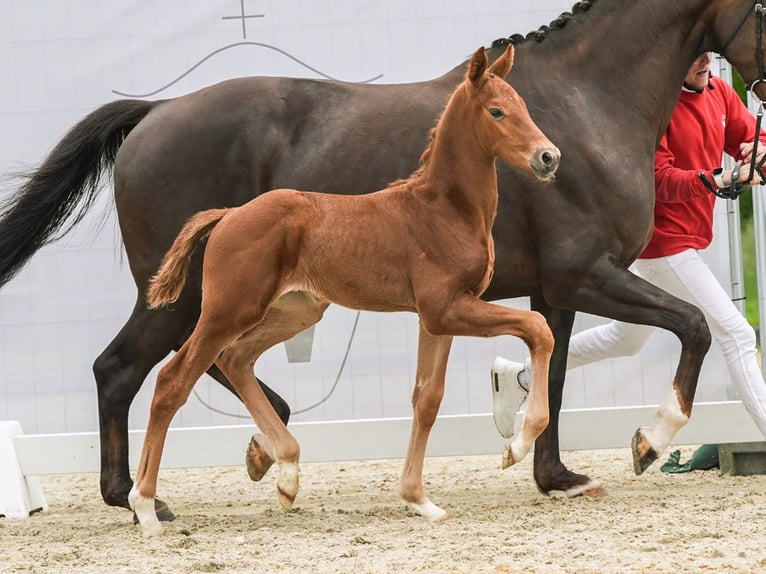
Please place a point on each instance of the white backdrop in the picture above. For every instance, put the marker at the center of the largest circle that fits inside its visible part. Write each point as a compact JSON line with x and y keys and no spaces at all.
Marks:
{"x":59,"y":60}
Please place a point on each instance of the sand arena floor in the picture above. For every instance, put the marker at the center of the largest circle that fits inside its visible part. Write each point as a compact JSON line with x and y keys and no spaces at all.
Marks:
{"x":348,"y":518}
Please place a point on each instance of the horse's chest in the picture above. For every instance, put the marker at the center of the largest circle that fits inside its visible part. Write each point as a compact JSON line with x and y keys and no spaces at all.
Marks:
{"x":489,"y":267}
{"x":477,"y":261}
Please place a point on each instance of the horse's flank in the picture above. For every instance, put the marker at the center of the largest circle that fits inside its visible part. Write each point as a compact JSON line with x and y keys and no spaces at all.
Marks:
{"x":448,"y":203}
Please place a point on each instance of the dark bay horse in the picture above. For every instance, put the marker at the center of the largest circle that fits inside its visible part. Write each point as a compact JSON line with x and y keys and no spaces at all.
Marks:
{"x":601,"y":82}
{"x":424,"y":244}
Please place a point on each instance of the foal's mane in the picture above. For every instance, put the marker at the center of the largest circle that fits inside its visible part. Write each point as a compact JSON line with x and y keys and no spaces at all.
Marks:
{"x":542,"y":32}
{"x":424,"y":157}
{"x":538,"y":36}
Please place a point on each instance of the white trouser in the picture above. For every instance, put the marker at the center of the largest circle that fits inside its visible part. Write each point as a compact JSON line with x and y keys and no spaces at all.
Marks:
{"x":688,"y":277}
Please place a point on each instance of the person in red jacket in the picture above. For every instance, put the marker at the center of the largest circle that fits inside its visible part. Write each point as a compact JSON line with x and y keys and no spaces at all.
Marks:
{"x":709,"y":119}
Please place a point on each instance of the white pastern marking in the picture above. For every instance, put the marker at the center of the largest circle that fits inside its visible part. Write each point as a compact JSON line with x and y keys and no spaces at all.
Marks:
{"x":670,"y":419}
{"x":147,"y":517}
{"x":429,"y":511}
{"x":288,"y":483}
{"x":519,"y":446}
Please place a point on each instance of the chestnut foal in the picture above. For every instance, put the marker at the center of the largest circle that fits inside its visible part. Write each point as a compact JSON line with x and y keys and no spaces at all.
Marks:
{"x":424,"y":244}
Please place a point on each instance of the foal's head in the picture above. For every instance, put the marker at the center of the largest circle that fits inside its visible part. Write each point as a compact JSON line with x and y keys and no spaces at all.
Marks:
{"x":503,"y":124}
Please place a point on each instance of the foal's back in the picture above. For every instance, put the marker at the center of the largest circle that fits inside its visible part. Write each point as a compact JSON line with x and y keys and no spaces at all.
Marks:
{"x":366,"y":252}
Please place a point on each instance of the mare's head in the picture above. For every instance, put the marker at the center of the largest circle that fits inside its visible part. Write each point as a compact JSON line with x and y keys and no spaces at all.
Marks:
{"x":503,"y":124}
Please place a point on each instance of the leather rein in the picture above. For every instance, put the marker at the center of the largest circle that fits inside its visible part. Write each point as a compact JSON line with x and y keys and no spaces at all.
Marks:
{"x":735,"y":189}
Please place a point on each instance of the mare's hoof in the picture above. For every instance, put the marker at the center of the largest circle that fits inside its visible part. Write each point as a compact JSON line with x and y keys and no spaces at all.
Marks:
{"x":164,"y":514}
{"x":257,"y":458}
{"x":643,"y":452}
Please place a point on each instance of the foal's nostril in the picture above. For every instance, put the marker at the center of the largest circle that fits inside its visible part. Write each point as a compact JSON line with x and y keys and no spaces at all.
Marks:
{"x":546,"y":161}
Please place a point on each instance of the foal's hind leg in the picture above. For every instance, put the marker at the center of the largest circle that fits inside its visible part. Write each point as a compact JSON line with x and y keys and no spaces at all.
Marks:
{"x":174,"y":383}
{"x":433,"y":352}
{"x":120,"y":370}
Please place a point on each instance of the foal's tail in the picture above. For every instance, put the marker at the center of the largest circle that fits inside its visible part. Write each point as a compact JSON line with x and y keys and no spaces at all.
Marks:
{"x":166,"y":285}
{"x":55,"y":196}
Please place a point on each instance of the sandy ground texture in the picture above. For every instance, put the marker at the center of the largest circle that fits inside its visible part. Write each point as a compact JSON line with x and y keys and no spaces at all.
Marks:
{"x":348,"y":518}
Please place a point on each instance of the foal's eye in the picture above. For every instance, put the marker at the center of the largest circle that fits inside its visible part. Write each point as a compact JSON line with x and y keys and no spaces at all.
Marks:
{"x":496,"y":113}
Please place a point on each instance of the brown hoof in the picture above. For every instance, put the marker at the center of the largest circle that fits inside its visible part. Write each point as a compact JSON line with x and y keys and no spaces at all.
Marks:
{"x":596,"y":492}
{"x":257,"y":458}
{"x":643,"y":452}
{"x":508,"y":459}
{"x":164,"y":514}
{"x":591,"y":489}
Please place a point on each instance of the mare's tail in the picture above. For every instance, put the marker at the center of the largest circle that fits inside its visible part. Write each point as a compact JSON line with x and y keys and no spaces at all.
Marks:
{"x":56,"y":196}
{"x":166,"y":285}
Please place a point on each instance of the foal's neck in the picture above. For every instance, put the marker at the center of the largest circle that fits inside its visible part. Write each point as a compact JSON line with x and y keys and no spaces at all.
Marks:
{"x":458,"y":167}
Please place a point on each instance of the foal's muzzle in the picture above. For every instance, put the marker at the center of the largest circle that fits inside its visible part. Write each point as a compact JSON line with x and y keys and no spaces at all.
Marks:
{"x":545,"y":162}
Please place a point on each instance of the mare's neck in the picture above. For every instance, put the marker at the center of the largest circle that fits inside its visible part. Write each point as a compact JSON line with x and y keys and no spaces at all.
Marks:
{"x":629,"y":58}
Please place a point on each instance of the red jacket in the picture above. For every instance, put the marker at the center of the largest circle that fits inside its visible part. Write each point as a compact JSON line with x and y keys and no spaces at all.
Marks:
{"x":702,"y":127}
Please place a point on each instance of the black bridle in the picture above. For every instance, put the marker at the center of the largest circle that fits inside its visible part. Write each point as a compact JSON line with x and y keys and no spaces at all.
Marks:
{"x":735,"y":189}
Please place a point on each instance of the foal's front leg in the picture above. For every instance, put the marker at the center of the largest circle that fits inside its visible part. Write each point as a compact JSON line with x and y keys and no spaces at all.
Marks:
{"x":433,"y":352}
{"x":290,"y":314}
{"x":466,"y":315}
{"x":276,"y":444}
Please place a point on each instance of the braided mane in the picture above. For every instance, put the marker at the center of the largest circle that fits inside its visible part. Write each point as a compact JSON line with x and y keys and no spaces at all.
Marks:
{"x":542,"y":32}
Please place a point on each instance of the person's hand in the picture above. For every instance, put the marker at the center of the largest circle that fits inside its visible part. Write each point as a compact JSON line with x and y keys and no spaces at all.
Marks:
{"x":746,"y":150}
{"x":744,"y":171}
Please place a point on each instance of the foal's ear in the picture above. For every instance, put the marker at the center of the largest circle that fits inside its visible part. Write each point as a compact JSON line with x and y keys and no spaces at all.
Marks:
{"x":503,"y":64}
{"x":477,"y":66}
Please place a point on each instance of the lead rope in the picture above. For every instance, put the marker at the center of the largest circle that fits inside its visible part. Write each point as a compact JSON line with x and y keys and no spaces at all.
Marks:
{"x":303,"y":410}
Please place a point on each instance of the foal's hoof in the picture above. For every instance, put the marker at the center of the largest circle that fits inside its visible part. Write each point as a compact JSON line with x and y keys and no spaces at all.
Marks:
{"x":591,"y":489}
{"x":257,"y":459}
{"x":164,"y":514}
{"x":508,"y":458}
{"x":429,"y":511}
{"x":287,"y":484}
{"x":643,"y":452}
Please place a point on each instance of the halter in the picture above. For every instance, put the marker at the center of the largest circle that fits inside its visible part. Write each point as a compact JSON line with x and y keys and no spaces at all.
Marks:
{"x":735,"y":189}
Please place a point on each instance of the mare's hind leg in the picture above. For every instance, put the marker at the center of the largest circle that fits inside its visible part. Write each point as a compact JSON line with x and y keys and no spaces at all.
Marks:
{"x":433,"y":352}
{"x":288,"y":316}
{"x":120,"y":370}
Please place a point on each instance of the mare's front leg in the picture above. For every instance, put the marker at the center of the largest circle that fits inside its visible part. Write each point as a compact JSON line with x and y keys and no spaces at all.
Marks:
{"x":615,"y":292}
{"x":433,"y":353}
{"x":550,"y":473}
